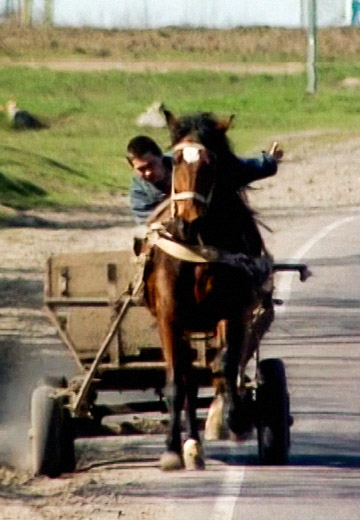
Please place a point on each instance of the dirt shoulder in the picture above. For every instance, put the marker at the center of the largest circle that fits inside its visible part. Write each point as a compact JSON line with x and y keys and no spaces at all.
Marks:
{"x":321,"y":172}
{"x":156,"y":66}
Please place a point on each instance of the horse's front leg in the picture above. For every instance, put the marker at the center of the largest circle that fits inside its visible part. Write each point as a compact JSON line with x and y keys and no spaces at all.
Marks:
{"x":181,"y":386}
{"x":174,"y":393}
{"x":192,"y":450}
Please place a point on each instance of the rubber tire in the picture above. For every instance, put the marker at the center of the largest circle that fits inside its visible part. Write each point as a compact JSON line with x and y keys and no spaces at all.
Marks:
{"x":46,"y":425}
{"x":273,"y":413}
{"x":68,"y":460}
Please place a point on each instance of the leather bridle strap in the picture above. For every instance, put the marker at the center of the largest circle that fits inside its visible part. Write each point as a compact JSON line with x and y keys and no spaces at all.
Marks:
{"x":187,"y":144}
{"x":191,"y":153}
{"x":188,"y":195}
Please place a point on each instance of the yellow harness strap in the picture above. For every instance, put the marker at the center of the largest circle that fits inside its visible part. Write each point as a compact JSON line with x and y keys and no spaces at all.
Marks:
{"x":184,"y":252}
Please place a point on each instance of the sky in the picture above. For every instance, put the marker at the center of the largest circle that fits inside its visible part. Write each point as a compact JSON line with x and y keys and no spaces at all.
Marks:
{"x":139,"y":14}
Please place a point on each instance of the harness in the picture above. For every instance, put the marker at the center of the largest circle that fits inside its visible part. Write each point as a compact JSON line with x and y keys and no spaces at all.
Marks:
{"x":191,"y":154}
{"x":258,"y":268}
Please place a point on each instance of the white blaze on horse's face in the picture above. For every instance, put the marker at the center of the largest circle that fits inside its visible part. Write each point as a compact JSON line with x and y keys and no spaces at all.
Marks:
{"x":191,"y":154}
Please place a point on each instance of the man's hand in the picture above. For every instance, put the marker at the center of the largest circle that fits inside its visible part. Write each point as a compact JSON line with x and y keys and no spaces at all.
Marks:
{"x":276,"y":151}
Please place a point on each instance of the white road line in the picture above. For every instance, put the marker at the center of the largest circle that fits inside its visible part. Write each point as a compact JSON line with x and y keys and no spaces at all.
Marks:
{"x":284,"y":280}
{"x":233,"y":478}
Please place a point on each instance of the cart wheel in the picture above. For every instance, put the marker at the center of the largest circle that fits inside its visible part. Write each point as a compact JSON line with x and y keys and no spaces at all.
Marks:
{"x":46,"y":432}
{"x":273,"y":406}
{"x":52,"y":434}
{"x":68,"y":460}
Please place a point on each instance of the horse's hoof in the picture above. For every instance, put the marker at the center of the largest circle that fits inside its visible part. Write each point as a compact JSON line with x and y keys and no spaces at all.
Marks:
{"x":241,"y":427}
{"x":171,"y":461}
{"x":193,"y":455}
{"x":241,"y":437}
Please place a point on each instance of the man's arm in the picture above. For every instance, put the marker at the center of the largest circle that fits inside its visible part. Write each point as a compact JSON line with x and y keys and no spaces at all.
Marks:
{"x":257,"y":168}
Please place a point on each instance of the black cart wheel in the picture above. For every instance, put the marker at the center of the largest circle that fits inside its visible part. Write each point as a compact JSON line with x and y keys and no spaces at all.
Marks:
{"x":52,"y":435}
{"x":46,"y":432}
{"x":273,"y":413}
{"x":68,"y":460}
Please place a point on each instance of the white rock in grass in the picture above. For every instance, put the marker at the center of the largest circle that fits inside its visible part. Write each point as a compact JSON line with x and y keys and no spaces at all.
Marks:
{"x":351,"y":82}
{"x":152,"y":117}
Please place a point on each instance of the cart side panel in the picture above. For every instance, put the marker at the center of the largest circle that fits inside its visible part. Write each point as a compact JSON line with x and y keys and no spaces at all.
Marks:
{"x":87,"y":327}
{"x":138,"y":332}
{"x":92,"y":274}
{"x":100,"y":275}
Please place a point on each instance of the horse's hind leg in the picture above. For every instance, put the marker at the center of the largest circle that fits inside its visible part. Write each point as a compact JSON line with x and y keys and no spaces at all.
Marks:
{"x":215,"y":425}
{"x":240,"y":416}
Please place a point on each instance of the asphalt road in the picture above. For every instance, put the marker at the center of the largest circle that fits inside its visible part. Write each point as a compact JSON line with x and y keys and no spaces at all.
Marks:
{"x":317,"y":334}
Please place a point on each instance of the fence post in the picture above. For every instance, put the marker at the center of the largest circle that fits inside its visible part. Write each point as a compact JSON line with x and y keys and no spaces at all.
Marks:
{"x":25,"y":12}
{"x":311,"y":48}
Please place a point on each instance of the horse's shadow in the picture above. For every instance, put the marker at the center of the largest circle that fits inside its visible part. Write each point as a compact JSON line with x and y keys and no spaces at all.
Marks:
{"x":327,"y":453}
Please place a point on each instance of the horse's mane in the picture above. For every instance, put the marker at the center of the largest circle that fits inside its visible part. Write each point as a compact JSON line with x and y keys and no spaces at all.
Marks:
{"x":204,"y":127}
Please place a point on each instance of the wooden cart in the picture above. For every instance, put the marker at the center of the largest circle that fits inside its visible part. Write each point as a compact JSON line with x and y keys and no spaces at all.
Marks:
{"x":91,"y":299}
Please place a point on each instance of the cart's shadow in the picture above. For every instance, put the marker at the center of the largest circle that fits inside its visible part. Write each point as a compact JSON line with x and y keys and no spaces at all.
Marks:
{"x":307,"y":450}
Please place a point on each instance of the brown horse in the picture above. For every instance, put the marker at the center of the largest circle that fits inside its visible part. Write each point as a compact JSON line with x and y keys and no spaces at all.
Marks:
{"x":190,"y":286}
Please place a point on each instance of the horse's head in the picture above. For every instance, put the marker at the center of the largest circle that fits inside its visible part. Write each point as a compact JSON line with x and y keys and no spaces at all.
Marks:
{"x":193,"y":179}
{"x":197,"y":141}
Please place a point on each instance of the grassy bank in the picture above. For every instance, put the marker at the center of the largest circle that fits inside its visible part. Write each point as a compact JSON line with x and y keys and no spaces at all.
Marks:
{"x":80,"y":159}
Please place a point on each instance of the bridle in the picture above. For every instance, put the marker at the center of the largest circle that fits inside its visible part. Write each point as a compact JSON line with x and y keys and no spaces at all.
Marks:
{"x":191,"y":154}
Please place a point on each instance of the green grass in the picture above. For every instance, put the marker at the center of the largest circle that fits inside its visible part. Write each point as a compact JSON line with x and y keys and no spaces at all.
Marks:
{"x":80,"y":158}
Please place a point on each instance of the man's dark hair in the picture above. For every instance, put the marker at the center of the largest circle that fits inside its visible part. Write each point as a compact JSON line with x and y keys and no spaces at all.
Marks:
{"x":141,"y":145}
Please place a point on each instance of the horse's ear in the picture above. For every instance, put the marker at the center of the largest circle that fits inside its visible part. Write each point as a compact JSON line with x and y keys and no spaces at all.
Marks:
{"x":171,"y":120}
{"x":225,"y":124}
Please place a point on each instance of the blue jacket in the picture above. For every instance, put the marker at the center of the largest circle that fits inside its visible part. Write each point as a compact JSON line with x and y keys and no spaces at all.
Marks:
{"x":144,"y":196}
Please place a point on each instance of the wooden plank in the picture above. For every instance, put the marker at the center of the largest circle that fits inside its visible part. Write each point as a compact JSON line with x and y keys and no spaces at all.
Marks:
{"x":78,"y":302}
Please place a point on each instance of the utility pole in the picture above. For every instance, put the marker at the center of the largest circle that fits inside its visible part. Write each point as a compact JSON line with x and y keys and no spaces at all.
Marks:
{"x":48,"y":12}
{"x":311,"y":48}
{"x":25,"y":12}
{"x":8,"y":7}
